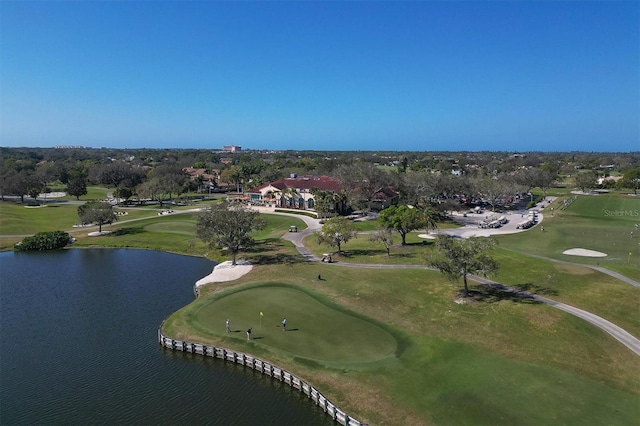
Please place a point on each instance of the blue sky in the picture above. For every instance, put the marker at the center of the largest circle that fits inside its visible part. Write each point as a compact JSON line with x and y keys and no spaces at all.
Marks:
{"x":345,"y":75}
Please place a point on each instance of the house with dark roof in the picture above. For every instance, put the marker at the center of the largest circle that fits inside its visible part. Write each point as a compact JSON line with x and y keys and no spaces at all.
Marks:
{"x":384,"y":197}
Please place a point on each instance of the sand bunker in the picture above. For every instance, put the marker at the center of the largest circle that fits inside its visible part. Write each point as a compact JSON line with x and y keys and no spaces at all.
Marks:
{"x":427,"y":236}
{"x":225,"y":271}
{"x":97,"y":234}
{"x":584,"y":252}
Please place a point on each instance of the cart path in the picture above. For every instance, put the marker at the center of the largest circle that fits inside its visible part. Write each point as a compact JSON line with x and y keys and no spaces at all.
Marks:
{"x":613,"y":330}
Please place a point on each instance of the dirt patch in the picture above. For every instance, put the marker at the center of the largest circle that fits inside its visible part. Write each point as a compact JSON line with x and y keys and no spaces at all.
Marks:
{"x":542,"y":318}
{"x":573,"y":269}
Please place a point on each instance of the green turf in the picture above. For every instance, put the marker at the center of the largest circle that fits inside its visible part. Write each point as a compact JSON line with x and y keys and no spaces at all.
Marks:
{"x":15,"y":218}
{"x":601,"y":223}
{"x":498,"y":361}
{"x":577,"y":285}
{"x":315,"y":330}
{"x":362,"y":250}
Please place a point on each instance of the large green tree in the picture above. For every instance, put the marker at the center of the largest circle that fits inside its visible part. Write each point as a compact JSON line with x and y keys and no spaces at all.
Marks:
{"x":77,"y":183}
{"x":229,"y":226}
{"x":586,"y":181}
{"x":631,"y":179}
{"x":457,"y":258}
{"x":405,"y":219}
{"x":99,"y":212}
{"x":335,"y":232}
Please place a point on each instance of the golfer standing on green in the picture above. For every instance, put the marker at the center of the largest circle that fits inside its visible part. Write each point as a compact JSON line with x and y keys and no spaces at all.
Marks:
{"x":284,"y":324}
{"x":228,"y":326}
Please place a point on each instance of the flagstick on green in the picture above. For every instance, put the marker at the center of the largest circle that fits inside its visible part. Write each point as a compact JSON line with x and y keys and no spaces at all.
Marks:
{"x":261,"y":315}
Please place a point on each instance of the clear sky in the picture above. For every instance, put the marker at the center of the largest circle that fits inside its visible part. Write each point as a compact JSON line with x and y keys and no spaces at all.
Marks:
{"x":347,"y":75}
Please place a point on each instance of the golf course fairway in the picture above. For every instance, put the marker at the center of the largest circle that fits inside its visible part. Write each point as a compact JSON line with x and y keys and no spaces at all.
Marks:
{"x":315,"y":330}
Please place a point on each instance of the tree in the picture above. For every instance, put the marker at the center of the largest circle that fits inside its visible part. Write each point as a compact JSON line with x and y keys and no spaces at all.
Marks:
{"x":233,"y":175}
{"x":361,"y":181}
{"x":457,"y":258}
{"x":169,"y":178}
{"x":586,"y":180}
{"x":495,"y":191}
{"x":77,"y":184}
{"x":404,"y":219}
{"x":544,"y":178}
{"x":99,"y":212}
{"x":631,"y":179}
{"x":336,"y":231}
{"x":16,"y":183}
{"x":385,"y":236}
{"x":325,"y":201}
{"x":124,"y":193}
{"x":151,"y":190}
{"x":116,"y":173}
{"x":229,"y":226}
{"x":402,"y":165}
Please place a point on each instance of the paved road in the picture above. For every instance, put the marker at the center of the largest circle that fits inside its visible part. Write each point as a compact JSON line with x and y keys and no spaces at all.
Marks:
{"x":616,"y":332}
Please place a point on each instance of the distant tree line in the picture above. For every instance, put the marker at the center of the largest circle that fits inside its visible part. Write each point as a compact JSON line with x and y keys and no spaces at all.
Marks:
{"x":434,"y":180}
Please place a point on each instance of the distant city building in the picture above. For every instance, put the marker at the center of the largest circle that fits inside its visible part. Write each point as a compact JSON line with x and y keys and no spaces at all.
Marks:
{"x":232,"y":148}
{"x":68,"y":146}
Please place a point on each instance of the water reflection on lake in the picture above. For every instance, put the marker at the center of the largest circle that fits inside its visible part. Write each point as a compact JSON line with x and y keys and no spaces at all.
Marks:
{"x":78,"y":344}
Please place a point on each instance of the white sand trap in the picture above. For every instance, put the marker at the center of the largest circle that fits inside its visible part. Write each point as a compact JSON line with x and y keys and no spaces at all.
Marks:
{"x":225,"y":271}
{"x":97,"y":234}
{"x":584,"y":252}
{"x":52,"y":195}
{"x":427,"y":236}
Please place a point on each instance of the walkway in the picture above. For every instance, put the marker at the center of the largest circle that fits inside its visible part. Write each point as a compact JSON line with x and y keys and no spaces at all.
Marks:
{"x":613,"y":330}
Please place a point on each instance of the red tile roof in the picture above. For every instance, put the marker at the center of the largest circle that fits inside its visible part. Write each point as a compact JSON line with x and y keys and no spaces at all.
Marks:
{"x":324,"y":183}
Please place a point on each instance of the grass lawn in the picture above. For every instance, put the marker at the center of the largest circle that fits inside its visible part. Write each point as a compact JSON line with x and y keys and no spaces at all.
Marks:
{"x":579,"y":286}
{"x":176,"y":233}
{"x":17,"y":219}
{"x":391,"y":346}
{"x":601,"y":223}
{"x":312,"y":325}
{"x":422,"y":358}
{"x":362,"y":250}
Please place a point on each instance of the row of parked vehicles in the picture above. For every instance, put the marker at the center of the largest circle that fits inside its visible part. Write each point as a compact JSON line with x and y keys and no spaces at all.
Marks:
{"x":532,"y":219}
{"x":493,"y":221}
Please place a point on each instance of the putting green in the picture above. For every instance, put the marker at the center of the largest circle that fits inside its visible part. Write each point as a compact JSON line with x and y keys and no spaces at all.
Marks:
{"x":314,"y":330}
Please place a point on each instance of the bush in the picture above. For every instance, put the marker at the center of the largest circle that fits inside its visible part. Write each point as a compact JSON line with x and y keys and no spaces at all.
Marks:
{"x":44,"y":241}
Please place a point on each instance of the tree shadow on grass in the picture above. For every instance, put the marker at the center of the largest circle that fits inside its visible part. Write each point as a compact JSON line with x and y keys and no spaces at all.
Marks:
{"x":127,"y":231}
{"x":378,"y":253}
{"x":276,"y":258}
{"x":269,"y":252}
{"x":493,"y":293}
{"x":537,"y":289}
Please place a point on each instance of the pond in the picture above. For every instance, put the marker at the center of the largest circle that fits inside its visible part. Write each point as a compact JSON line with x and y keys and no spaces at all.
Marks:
{"x":78,"y":344}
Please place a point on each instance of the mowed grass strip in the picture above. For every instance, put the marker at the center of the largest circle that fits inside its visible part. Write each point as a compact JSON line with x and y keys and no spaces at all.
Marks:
{"x":600,"y":222}
{"x":17,"y":219}
{"x":577,"y":285}
{"x":314,"y":330}
{"x":497,"y":361}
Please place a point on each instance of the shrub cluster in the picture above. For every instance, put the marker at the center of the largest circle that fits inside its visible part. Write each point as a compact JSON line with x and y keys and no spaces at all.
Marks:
{"x":44,"y":241}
